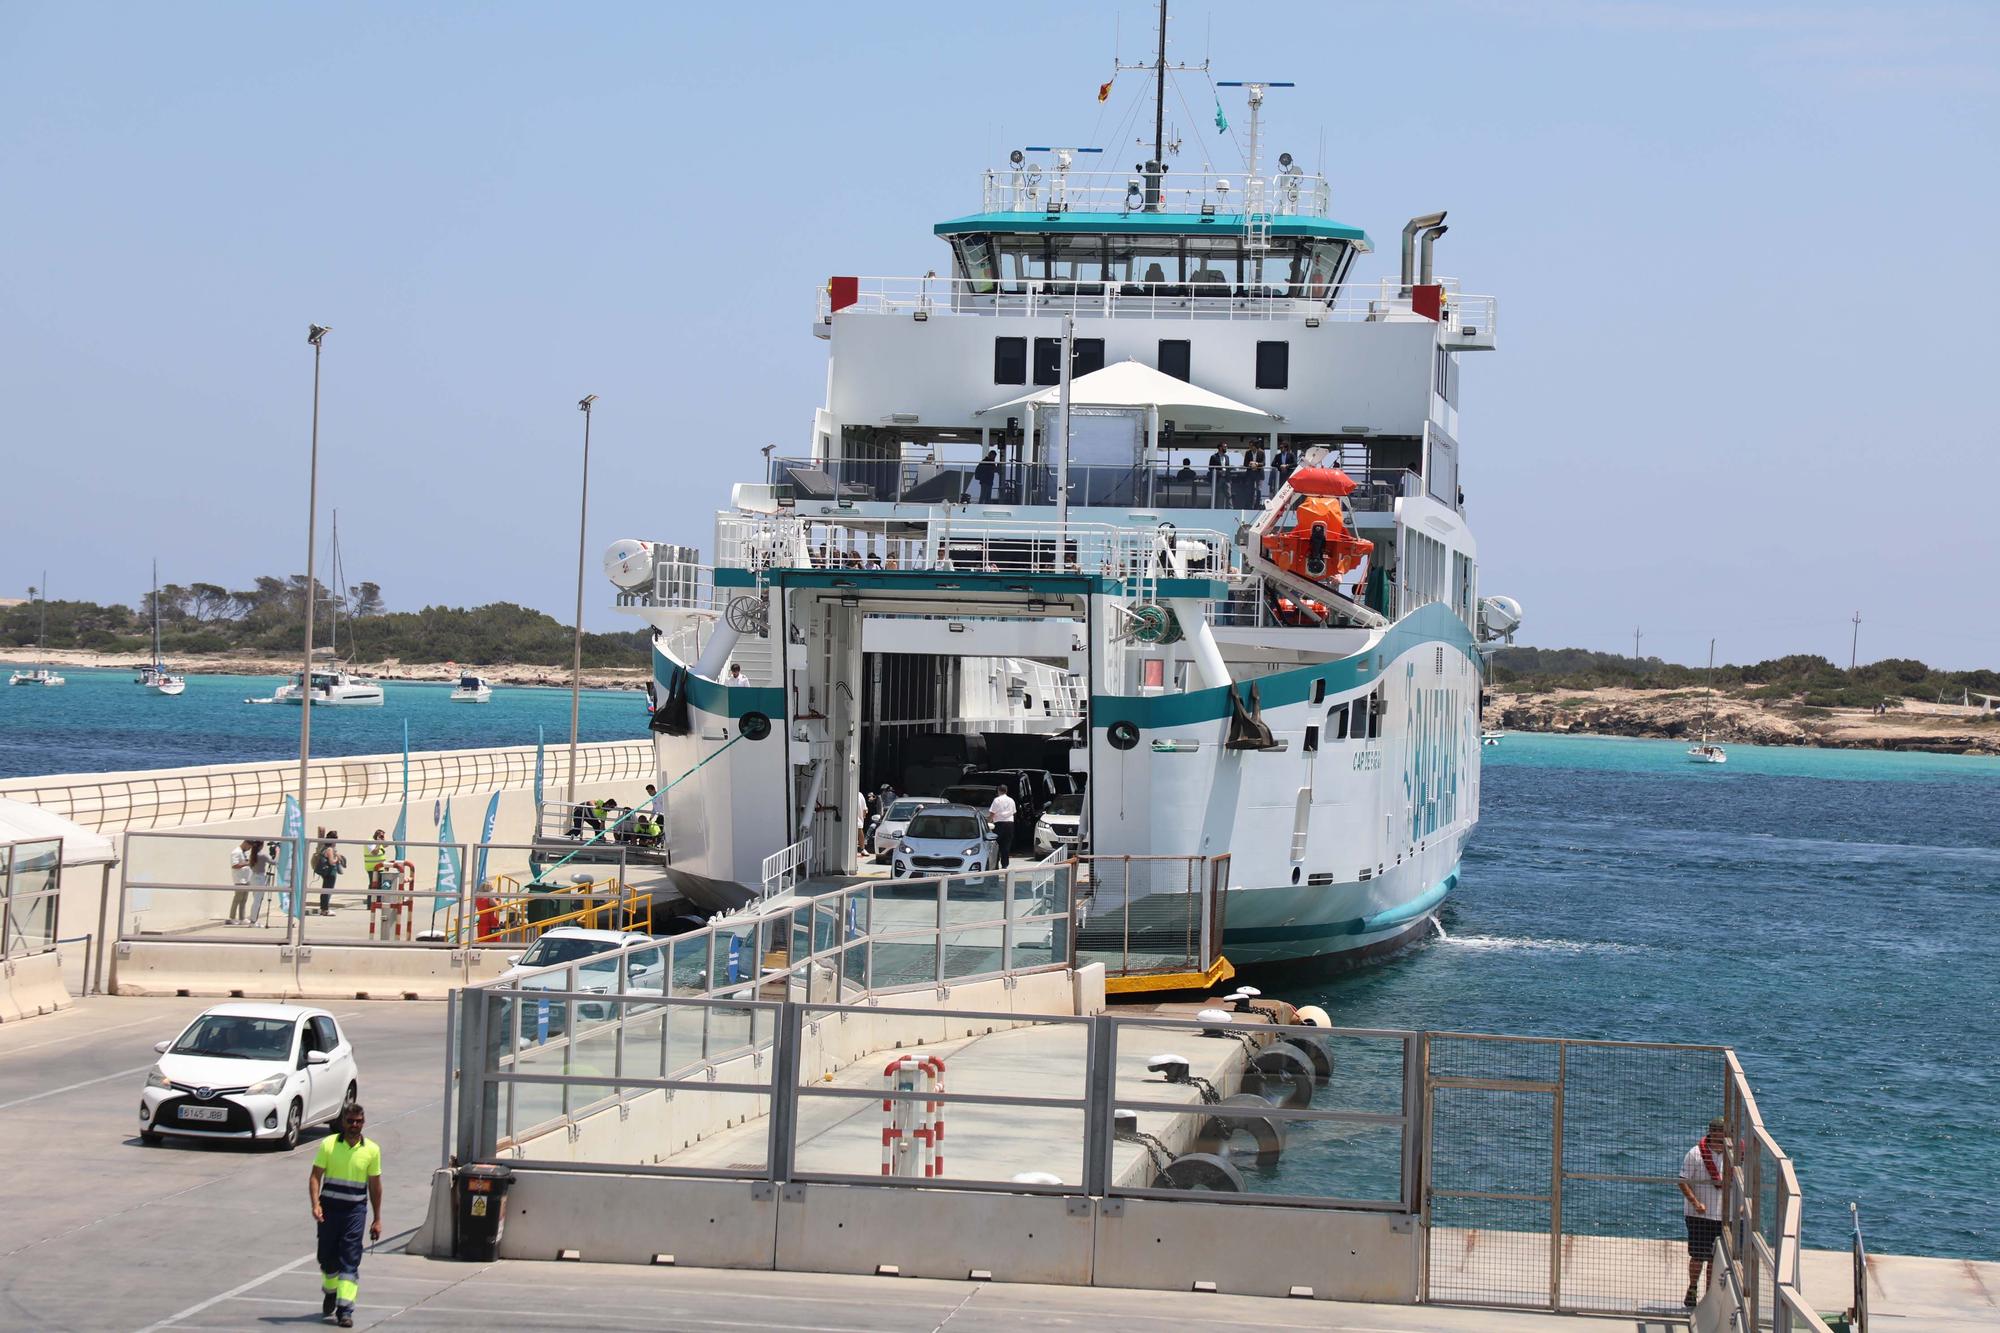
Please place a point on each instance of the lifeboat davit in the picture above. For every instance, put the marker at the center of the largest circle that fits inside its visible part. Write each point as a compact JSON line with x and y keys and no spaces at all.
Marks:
{"x":1318,"y":545}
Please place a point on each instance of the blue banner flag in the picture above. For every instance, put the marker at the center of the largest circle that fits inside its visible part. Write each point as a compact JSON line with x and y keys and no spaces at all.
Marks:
{"x":403,"y":816}
{"x":450,"y":865}
{"x":290,"y":863}
{"x":538,"y":777}
{"x":485,"y":838}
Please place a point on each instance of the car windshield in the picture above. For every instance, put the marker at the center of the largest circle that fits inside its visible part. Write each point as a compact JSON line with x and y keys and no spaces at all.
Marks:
{"x":1066,"y":805}
{"x":235,"y":1037}
{"x":954,"y":827}
{"x":905,"y":809}
{"x":550,"y":950}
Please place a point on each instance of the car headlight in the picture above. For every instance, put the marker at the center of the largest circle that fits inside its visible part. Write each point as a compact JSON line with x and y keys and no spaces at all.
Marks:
{"x":906,"y":849}
{"x":156,"y":1078}
{"x":269,"y":1087}
{"x":970,"y":851}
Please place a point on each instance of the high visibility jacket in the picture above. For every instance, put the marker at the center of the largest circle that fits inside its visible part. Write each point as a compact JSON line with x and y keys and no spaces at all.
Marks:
{"x":348,"y":1169}
{"x":372,"y":859}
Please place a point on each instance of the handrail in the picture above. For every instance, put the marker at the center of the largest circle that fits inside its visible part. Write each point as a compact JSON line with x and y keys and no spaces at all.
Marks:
{"x":1763,"y":1251}
{"x":214,"y":793}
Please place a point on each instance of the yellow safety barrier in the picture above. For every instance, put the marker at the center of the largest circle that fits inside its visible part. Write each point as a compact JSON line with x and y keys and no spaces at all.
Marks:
{"x":511,"y":917}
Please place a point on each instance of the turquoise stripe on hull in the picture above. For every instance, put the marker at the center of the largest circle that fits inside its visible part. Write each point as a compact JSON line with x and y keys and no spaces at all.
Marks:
{"x":1302,"y":936}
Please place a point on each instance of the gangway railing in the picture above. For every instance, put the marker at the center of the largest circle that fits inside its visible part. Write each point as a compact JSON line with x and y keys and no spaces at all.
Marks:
{"x":1155,"y":922}
{"x":785,"y":869}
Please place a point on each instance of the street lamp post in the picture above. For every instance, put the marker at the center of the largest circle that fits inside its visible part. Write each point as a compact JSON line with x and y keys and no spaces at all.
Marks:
{"x":315,"y":335}
{"x":576,"y":658}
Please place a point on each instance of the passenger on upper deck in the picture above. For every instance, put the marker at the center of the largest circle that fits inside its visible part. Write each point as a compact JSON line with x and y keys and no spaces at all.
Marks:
{"x":1187,"y":470}
{"x":988,"y":469}
{"x":1253,"y":472}
{"x":1285,"y":463}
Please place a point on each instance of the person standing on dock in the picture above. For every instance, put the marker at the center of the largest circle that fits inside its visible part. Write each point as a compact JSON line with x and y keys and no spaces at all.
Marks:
{"x":372,"y":858}
{"x":1000,"y":815}
{"x":1701,"y":1195}
{"x":346,"y":1180}
{"x":239,"y":874}
{"x":327,"y":864}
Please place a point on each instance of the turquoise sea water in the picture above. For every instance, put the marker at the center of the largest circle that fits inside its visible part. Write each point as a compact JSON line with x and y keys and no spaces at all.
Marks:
{"x":102,"y":722}
{"x":1833,"y":915}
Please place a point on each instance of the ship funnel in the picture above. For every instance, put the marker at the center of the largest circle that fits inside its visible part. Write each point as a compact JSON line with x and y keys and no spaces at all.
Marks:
{"x":1410,"y":230}
{"x":1424,"y":254}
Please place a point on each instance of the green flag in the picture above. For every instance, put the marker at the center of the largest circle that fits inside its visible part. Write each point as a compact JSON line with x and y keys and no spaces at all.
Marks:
{"x":1221,"y":121}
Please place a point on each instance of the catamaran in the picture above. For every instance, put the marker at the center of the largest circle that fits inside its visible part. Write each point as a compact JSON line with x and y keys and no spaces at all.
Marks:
{"x":40,"y":675}
{"x":154,"y":675}
{"x":1151,"y":488}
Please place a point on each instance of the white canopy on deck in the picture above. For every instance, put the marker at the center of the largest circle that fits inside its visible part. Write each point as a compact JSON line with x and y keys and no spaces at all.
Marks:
{"x":22,"y":822}
{"x":1132,"y":385}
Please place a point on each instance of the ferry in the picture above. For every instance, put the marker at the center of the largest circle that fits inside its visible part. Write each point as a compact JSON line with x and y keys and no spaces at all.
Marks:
{"x":1141,"y":489}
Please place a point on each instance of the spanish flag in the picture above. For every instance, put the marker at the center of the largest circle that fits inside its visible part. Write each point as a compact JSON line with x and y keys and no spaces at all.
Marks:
{"x":1104,"y":92}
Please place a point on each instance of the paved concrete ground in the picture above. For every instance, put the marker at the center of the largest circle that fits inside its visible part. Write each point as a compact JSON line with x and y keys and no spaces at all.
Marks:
{"x":98,"y":1232}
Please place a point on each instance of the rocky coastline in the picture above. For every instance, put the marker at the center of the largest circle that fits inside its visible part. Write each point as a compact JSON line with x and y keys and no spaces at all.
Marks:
{"x":1688,"y":714}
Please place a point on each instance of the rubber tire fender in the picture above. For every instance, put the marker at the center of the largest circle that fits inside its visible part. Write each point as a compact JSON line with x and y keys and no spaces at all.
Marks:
{"x":1282,"y":1073}
{"x":1218,"y":1131}
{"x":1199,"y":1171}
{"x":1316,"y":1053}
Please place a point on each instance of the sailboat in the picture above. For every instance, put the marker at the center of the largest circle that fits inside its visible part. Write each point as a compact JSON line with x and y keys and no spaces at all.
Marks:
{"x":154,"y":675}
{"x":40,"y":675}
{"x":335,"y":686}
{"x":1706,"y":752}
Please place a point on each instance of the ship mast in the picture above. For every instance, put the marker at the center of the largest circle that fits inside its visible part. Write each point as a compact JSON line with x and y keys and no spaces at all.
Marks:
{"x":1160,"y":98}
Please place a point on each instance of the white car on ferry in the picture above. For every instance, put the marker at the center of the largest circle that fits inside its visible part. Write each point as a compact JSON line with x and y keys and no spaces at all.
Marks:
{"x":1060,"y":826}
{"x":945,"y":840}
{"x":255,"y":1072}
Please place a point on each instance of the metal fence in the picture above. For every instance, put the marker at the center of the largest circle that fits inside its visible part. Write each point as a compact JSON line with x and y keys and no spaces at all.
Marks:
{"x":227,"y":888}
{"x":1142,"y":915}
{"x":169,"y":798}
{"x":560,"y":1043}
{"x":30,"y":895}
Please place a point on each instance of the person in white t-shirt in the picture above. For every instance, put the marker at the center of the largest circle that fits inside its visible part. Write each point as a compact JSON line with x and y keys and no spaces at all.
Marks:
{"x":1701,"y":1179}
{"x":1000,"y":815}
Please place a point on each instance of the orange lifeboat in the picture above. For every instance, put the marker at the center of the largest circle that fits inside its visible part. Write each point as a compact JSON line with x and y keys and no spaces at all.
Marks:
{"x":1318,"y":545}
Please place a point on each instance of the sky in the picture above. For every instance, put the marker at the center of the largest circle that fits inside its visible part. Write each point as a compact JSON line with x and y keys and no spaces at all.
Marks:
{"x":1748,"y":293}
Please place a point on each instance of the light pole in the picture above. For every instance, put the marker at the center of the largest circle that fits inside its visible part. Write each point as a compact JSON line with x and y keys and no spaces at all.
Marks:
{"x":315,"y":335}
{"x":576,"y":659}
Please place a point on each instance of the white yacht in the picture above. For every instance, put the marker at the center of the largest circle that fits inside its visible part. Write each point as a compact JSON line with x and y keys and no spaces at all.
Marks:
{"x":40,"y":675}
{"x":154,"y":675}
{"x":1150,"y":487}
{"x":472,"y":689}
{"x":331,"y":688}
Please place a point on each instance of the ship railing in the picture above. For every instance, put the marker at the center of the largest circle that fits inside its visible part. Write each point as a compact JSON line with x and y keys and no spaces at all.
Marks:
{"x":1157,"y":484}
{"x":971,"y":545}
{"x":1041,"y":189}
{"x":677,"y":584}
{"x":1463,"y":314}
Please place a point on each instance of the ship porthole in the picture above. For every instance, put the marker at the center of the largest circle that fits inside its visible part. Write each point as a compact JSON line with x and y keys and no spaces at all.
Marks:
{"x":753,"y":726}
{"x":1295,"y":874}
{"x":1122,"y":735}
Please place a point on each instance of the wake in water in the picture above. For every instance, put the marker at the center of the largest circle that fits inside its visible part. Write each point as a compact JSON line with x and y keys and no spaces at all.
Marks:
{"x":1527,"y":944}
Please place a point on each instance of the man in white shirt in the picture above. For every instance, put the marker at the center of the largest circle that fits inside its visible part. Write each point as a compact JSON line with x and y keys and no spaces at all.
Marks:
{"x":1000,"y":815}
{"x":1701,"y":1178}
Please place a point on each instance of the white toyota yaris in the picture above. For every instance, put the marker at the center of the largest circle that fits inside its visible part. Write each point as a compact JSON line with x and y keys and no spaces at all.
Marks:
{"x":250,"y":1071}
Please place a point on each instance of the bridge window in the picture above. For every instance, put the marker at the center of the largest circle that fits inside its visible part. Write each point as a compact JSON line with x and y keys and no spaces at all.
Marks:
{"x":1274,"y":365}
{"x":1010,"y":360}
{"x":1086,"y":355}
{"x":1175,"y":359}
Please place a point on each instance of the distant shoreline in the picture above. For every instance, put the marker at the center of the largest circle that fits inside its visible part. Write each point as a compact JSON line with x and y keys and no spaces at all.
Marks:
{"x":247,"y":664}
{"x":1689,"y":715}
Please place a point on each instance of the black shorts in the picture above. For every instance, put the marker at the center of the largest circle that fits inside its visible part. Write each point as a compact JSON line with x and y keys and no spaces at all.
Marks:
{"x":1703,"y":1232}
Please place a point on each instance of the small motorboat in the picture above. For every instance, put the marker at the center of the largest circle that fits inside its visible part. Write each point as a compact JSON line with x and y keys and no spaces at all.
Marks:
{"x":472,"y":690}
{"x":1707,"y":753}
{"x":37,"y":676}
{"x":1490,"y":737}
